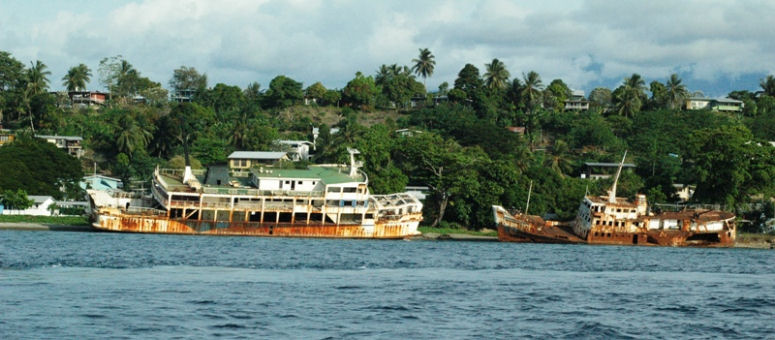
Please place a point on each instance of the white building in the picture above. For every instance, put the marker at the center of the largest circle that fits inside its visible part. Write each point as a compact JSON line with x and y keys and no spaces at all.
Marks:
{"x":298,"y":150}
{"x":40,"y":207}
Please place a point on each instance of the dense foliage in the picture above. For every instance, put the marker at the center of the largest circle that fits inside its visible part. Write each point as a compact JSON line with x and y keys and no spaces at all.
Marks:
{"x":460,"y":142}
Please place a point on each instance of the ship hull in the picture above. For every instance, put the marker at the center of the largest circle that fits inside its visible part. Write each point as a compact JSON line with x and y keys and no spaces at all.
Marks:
{"x":162,"y":225}
{"x":533,"y":229}
{"x":529,"y":229}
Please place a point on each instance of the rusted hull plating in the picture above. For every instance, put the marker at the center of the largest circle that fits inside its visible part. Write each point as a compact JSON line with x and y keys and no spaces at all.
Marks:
{"x":533,"y":229}
{"x":529,"y":229}
{"x":670,"y":238}
{"x":162,"y":225}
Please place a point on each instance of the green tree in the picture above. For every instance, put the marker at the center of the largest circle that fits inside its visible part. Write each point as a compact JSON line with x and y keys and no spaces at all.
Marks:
{"x":496,"y":76}
{"x":360,"y":92}
{"x":722,"y":162}
{"x":188,"y":78}
{"x":121,"y":78}
{"x":659,"y":98}
{"x":531,"y":90}
{"x":768,"y":85}
{"x":676,"y":92}
{"x":424,"y":64}
{"x":600,"y":98}
{"x":17,"y":200}
{"x":442,"y":165}
{"x":629,"y":97}
{"x":131,"y":136}
{"x":560,"y":159}
{"x":38,"y":167}
{"x":76,"y":78}
{"x":556,"y":94}
{"x":468,"y":81}
{"x":316,"y":91}
{"x":37,"y":77}
{"x":376,"y":146}
{"x":283,"y":92}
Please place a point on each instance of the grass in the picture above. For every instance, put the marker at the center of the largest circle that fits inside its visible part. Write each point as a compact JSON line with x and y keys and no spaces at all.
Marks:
{"x":754,"y":238}
{"x":61,"y":220}
{"x":447,"y":231}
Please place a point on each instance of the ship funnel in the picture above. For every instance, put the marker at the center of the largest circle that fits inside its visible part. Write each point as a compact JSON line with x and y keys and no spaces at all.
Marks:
{"x":353,"y":164}
{"x":612,"y":192}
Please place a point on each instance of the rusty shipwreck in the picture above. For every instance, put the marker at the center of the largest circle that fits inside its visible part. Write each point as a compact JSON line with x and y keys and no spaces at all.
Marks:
{"x":618,"y":221}
{"x":328,"y":201}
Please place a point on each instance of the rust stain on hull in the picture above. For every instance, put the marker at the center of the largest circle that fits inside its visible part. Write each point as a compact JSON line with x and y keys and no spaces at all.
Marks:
{"x":530,"y":229}
{"x":162,"y":225}
{"x":534,"y":229}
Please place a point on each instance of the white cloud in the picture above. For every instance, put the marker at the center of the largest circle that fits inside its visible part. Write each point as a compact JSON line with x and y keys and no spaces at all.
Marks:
{"x":237,"y":42}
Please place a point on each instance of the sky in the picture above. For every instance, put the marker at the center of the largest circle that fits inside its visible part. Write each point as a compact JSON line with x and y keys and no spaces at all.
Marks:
{"x":714,"y":46}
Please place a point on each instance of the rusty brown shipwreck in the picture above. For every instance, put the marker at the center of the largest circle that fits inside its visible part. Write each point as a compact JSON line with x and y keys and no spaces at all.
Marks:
{"x":619,"y":221}
{"x":330,"y":201}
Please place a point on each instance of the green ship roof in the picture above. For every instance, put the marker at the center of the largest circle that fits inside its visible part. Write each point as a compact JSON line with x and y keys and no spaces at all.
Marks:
{"x":329,"y":175}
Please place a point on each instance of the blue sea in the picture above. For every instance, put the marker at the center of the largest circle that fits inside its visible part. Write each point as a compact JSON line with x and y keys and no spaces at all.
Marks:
{"x":81,"y":285}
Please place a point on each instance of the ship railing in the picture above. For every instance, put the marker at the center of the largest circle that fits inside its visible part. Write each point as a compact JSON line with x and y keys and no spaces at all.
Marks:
{"x":257,"y":192}
{"x":178,"y":173}
{"x":144,"y":211}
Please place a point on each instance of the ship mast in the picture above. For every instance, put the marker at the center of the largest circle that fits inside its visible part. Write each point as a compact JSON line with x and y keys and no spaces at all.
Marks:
{"x":612,"y":192}
{"x":529,"y":190}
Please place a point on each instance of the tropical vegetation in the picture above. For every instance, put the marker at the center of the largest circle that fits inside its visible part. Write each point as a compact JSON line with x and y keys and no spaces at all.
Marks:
{"x":479,"y":140}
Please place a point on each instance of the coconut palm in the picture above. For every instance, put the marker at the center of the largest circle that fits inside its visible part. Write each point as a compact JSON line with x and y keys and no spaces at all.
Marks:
{"x":131,"y":136}
{"x":559,"y":160}
{"x":630,"y":94}
{"x":675,"y":91}
{"x":423,"y":66}
{"x":496,"y":76}
{"x":768,"y":85}
{"x":37,"y":77}
{"x":76,"y":78}
{"x":531,"y":89}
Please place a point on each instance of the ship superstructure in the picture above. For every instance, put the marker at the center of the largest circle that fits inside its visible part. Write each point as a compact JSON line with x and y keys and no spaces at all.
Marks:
{"x":317,"y":201}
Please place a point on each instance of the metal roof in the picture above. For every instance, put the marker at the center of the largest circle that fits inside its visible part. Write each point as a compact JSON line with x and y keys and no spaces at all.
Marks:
{"x":257,"y":155}
{"x":611,"y":165}
{"x":329,"y":175}
{"x":60,"y":137}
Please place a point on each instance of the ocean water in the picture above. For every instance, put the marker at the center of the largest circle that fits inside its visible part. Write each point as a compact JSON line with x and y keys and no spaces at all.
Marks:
{"x":75,"y":285}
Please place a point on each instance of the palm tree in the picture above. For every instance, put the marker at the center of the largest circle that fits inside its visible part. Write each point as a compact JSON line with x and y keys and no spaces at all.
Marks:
{"x":131,"y":136}
{"x":559,"y":161}
{"x":496,"y":76}
{"x":768,"y":85}
{"x":37,"y":82}
{"x":423,"y":66}
{"x":531,"y":89}
{"x":37,"y":77}
{"x":77,"y":77}
{"x":675,"y":91}
{"x":630,"y":95}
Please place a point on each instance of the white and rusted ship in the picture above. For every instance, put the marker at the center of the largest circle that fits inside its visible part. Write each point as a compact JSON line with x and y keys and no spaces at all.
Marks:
{"x":329,"y":201}
{"x":619,"y":221}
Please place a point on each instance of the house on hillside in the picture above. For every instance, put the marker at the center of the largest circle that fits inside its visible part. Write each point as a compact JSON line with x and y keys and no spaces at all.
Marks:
{"x":242,"y":160}
{"x":100,"y":182}
{"x":6,"y":136}
{"x":600,"y":170}
{"x":71,"y":144}
{"x":40,"y":207}
{"x":714,"y":104}
{"x":183,"y":96}
{"x":577,"y":101}
{"x":298,"y":150}
{"x":520,"y":130}
{"x":87,"y":98}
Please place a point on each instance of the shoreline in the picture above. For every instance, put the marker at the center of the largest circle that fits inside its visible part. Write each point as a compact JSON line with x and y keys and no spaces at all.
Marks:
{"x":32,"y":226}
